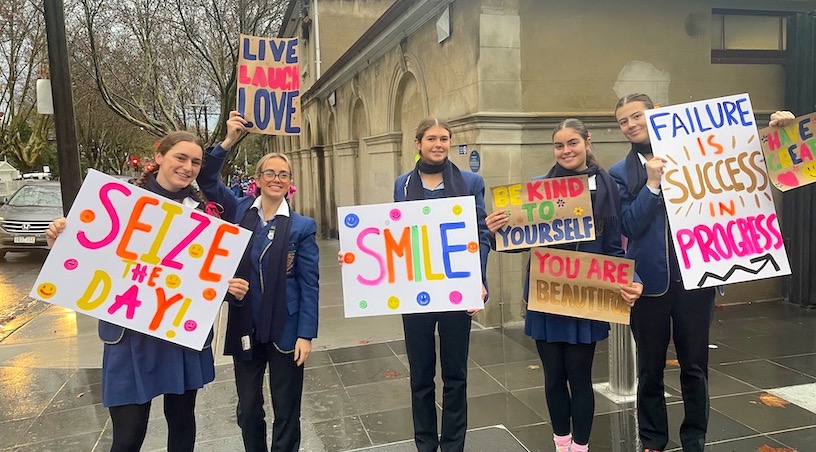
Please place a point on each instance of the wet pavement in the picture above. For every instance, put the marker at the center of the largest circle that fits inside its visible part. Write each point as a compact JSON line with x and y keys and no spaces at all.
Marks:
{"x":762,"y":382}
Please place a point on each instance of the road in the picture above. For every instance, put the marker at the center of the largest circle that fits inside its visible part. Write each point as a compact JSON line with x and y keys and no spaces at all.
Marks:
{"x":18,"y":271}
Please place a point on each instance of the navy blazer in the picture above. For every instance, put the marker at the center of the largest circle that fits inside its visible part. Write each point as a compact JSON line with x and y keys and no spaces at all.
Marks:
{"x":644,"y":223}
{"x":475,"y":187}
{"x":301,"y":276}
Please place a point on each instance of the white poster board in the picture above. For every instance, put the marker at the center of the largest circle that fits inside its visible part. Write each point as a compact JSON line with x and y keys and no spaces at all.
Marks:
{"x":130,"y":257}
{"x":717,"y":192}
{"x":407,"y":257}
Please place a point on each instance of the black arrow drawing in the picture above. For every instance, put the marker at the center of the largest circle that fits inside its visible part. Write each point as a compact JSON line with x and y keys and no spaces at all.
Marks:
{"x":766,"y":259}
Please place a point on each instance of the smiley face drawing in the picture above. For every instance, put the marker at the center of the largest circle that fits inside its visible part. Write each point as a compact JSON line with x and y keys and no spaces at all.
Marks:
{"x":423,"y":298}
{"x":352,"y":220}
{"x":172,"y":281}
{"x":46,"y":290}
{"x":195,"y":251}
{"x":809,"y":170}
{"x":393,"y":303}
{"x":190,"y":325}
{"x":71,"y":264}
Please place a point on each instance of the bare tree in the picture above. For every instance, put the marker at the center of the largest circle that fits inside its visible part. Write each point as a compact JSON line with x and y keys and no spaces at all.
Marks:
{"x":23,"y":133}
{"x":153,"y":60}
{"x":106,"y":141}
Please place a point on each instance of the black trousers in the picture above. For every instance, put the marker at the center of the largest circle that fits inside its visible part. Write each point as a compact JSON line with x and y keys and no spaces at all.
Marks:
{"x":130,"y":423}
{"x":286,"y":386}
{"x":568,"y":387}
{"x":686,"y":317}
{"x":454,"y":342}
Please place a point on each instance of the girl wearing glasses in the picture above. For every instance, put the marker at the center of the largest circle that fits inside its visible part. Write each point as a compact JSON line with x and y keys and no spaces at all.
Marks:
{"x":274,"y":325}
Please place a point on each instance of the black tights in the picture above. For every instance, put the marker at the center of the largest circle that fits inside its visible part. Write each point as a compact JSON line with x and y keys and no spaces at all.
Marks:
{"x":569,"y":363}
{"x":130,"y":423}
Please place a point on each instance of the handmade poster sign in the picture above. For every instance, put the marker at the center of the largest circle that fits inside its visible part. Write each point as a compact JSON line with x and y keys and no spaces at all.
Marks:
{"x":130,"y":257}
{"x":269,"y":84}
{"x":717,"y":192}
{"x":577,"y":284}
{"x":789,"y":152}
{"x":544,"y":212}
{"x":414,"y":256}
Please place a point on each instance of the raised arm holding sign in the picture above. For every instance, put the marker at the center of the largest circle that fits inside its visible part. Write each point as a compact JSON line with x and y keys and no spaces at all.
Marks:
{"x":268,"y":82}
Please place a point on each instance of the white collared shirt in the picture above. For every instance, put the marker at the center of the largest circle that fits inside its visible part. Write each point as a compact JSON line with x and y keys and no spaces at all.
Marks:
{"x":283,"y":209}
{"x":643,"y":161}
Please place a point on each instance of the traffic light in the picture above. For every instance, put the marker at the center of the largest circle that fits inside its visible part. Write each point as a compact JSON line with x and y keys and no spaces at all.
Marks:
{"x":134,"y":162}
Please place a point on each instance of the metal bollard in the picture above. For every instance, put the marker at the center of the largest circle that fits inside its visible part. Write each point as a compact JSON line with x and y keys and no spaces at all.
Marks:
{"x":622,"y":373}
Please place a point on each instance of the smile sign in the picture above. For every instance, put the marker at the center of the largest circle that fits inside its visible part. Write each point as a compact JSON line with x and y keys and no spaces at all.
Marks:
{"x":132,"y":258}
{"x":415,"y":256}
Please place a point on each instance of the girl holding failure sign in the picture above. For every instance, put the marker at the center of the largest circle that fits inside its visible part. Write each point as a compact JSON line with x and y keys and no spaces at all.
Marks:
{"x":566,"y":345}
{"x":670,"y":310}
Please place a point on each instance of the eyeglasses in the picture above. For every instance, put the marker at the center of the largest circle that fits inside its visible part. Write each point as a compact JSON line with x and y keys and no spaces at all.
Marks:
{"x":269,"y":175}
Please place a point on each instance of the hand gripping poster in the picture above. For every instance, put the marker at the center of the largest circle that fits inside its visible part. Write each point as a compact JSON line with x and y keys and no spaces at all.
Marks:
{"x":135,"y":259}
{"x":717,"y":192}
{"x":789,"y":152}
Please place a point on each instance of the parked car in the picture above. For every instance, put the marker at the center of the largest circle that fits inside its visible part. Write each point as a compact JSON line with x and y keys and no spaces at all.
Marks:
{"x":25,"y":216}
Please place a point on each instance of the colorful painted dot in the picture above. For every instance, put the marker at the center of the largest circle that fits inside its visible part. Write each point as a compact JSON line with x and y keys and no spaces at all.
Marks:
{"x":172,"y":281}
{"x":71,"y":264}
{"x":190,"y":325}
{"x":170,"y":334}
{"x":423,"y":298}
{"x":352,"y":220}
{"x":46,"y":290}
{"x":395,"y":214}
{"x":209,"y":294}
{"x":363,"y":304}
{"x":195,"y":250}
{"x":473,"y":247}
{"x":426,"y":210}
{"x":393,"y":303}
{"x":457,"y":210}
{"x":87,"y":216}
{"x":456,"y":297}
{"x":348,"y":258}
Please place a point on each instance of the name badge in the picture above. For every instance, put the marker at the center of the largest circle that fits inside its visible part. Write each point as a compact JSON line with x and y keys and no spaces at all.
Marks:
{"x":271,"y":234}
{"x":245,"y":343}
{"x":592,"y":183}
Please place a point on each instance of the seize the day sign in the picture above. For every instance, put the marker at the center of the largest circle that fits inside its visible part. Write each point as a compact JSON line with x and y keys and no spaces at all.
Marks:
{"x":135,"y":259}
